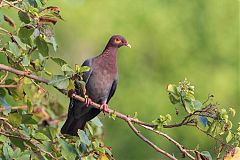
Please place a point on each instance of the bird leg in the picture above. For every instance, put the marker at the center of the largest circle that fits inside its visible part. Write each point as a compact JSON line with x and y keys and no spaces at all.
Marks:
{"x":104,"y":107}
{"x":87,"y":101}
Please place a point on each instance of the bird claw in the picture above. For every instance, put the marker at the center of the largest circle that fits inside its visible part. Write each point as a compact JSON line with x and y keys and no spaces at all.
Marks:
{"x":88,"y":101}
{"x":104,"y":108}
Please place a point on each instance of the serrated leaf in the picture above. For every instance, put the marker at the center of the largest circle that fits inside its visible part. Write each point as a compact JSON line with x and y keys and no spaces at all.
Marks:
{"x":42,"y":46}
{"x":14,"y":49}
{"x":67,"y":150}
{"x":229,"y":136}
{"x":83,"y":137}
{"x":59,"y":81}
{"x":203,"y":120}
{"x":96,"y":121}
{"x":24,"y":17}
{"x":59,"y":61}
{"x":206,"y":154}
{"x":15,"y":119}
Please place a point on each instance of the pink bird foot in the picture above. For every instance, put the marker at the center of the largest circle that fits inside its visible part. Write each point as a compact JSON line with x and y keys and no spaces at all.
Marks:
{"x":88,"y":101}
{"x":104,"y":107}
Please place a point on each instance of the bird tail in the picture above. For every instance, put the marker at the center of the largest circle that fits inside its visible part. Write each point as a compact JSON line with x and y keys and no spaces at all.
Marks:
{"x":78,"y":115}
{"x":72,"y":125}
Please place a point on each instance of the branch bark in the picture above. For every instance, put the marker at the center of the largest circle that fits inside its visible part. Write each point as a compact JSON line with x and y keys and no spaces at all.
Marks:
{"x":126,"y":118}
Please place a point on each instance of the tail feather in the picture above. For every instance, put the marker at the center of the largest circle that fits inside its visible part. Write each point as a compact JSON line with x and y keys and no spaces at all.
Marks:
{"x":72,"y":124}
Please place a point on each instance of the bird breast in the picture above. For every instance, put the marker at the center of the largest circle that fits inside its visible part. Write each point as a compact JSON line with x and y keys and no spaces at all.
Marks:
{"x":100,"y":83}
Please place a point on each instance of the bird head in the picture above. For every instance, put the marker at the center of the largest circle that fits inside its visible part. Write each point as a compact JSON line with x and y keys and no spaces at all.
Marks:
{"x":118,"y":41}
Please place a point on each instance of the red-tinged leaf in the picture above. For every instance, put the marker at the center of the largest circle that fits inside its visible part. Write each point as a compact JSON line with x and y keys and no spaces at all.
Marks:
{"x":9,"y":21}
{"x":47,"y":20}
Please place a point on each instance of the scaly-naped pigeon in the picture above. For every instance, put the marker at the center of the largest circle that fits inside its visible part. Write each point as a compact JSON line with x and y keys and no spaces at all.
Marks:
{"x":101,"y":83}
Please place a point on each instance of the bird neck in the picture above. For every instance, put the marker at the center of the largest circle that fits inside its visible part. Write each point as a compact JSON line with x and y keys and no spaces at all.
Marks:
{"x":110,"y":52}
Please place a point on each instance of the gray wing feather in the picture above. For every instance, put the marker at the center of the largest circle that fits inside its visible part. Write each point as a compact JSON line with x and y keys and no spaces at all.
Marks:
{"x":113,"y":89}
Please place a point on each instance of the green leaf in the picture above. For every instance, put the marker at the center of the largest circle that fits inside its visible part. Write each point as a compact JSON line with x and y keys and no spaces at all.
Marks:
{"x":1,"y":18}
{"x":54,"y":44}
{"x":45,"y":145}
{"x":90,"y":128}
{"x":68,"y":151}
{"x":59,"y":61}
{"x":229,"y":136}
{"x":24,"y":17}
{"x":52,"y":132}
{"x":206,"y":154}
{"x":25,"y":61}
{"x":66,"y":68}
{"x":17,"y":143}
{"x":189,"y":106}
{"x":232,"y":111}
{"x":59,"y":81}
{"x":42,"y":46}
{"x":197,"y":104}
{"x":15,"y":119}
{"x":173,"y":98}
{"x":19,"y":42}
{"x":84,"y":69}
{"x":83,"y":137}
{"x":14,"y":49}
{"x":40,"y":136}
{"x":5,"y":105}
{"x":7,"y":151}
{"x":96,"y":121}
{"x":29,"y":119}
{"x":25,"y":32}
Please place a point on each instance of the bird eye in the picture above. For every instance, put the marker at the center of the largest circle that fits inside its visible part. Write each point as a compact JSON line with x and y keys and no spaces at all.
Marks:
{"x":117,"y":40}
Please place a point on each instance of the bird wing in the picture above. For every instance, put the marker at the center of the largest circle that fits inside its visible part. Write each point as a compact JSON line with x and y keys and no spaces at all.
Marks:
{"x":79,"y":108}
{"x":113,"y":89}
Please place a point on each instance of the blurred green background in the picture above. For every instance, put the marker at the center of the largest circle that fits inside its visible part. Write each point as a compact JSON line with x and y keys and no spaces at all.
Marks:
{"x":170,"y":40}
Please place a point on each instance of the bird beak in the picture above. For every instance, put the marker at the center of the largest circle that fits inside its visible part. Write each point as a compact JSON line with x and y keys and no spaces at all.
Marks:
{"x":128,"y":45}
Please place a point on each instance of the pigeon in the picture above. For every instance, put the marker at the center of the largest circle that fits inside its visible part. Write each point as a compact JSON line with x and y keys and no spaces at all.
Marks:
{"x":101,"y":83}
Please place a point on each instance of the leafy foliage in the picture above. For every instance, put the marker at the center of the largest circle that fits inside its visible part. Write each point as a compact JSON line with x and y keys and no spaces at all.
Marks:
{"x":29,"y":121}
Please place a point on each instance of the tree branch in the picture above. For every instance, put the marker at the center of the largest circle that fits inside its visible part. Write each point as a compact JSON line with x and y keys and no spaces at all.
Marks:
{"x":126,"y":118}
{"x":137,"y":132}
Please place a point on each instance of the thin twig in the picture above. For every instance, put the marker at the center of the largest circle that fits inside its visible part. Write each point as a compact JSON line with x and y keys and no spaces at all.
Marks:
{"x":8,"y":86}
{"x":12,"y":5}
{"x":137,"y":132}
{"x":180,"y":147}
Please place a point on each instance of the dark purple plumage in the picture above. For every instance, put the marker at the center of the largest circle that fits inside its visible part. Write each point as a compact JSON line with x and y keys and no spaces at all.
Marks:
{"x":101,"y":83}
